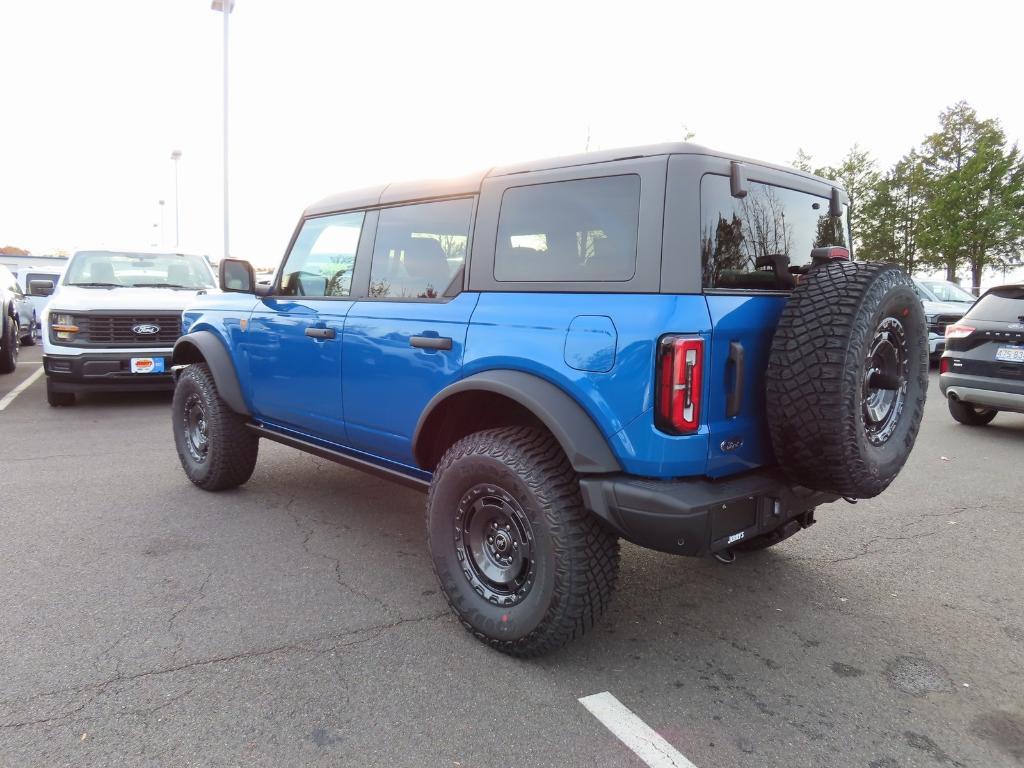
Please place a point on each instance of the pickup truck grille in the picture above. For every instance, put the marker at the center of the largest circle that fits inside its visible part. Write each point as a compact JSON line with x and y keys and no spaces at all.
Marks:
{"x":115,"y":330}
{"x":941,"y":321}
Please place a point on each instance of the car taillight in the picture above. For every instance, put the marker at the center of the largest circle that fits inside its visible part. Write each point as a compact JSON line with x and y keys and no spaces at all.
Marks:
{"x":944,"y":365}
{"x":678,"y":383}
{"x":958,"y":331}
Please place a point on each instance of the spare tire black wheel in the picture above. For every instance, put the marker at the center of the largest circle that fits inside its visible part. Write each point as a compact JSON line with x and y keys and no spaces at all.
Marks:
{"x":847,"y":378}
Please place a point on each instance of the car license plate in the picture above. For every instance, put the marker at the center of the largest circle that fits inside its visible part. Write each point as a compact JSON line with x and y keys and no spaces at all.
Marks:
{"x":147,"y":365}
{"x":1010,"y":354}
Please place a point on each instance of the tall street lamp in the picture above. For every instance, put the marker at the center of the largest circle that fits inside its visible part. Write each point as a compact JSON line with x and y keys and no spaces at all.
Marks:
{"x":162,"y":239}
{"x":176,"y":156}
{"x":225,"y":7}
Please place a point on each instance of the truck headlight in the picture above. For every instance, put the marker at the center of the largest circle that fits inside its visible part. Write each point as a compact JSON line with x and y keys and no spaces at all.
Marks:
{"x":931,"y":319}
{"x":63,"y":326}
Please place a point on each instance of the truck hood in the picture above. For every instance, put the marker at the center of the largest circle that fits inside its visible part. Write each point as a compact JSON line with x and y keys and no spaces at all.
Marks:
{"x":71,"y":298}
{"x":945,"y":308}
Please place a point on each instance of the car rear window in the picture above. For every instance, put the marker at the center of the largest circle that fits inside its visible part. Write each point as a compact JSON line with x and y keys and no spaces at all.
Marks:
{"x":583,"y":230}
{"x":769,"y":220}
{"x":1005,"y":305}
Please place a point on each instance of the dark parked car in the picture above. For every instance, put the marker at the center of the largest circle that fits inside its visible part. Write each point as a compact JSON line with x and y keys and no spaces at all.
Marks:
{"x":17,"y":322}
{"x":982,"y":370}
{"x":664,"y":344}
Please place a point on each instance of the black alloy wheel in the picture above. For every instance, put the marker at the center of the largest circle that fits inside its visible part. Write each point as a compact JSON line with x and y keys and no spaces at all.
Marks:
{"x":885,"y":380}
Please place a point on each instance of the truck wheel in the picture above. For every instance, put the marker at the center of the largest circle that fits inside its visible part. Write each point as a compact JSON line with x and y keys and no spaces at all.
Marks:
{"x":56,"y":399}
{"x":9,"y":347}
{"x":522,"y":564}
{"x":215,"y":448}
{"x":29,"y":339}
{"x":972,"y":415}
{"x":847,"y":378}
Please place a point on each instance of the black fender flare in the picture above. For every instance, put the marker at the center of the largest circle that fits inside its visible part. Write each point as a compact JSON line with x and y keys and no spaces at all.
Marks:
{"x":585,"y":446}
{"x":204,"y":346}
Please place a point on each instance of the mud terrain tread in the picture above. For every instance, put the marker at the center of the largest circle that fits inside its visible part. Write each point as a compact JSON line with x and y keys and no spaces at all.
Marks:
{"x":586,"y":553}
{"x":813,"y":379}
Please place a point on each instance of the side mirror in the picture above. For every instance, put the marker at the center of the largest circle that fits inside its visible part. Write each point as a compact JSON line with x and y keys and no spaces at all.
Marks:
{"x":40,"y":288}
{"x":737,"y":180}
{"x":237,"y":276}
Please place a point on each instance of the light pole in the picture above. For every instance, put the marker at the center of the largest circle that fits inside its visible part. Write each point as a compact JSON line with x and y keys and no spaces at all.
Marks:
{"x":162,"y":240}
{"x":225,"y":7}
{"x":176,"y":156}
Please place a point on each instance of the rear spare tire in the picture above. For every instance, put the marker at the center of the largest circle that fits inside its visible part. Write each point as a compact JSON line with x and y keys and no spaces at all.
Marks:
{"x":847,"y":378}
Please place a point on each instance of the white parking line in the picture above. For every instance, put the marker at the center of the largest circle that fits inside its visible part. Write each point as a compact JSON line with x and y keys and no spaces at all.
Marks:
{"x":9,"y":397}
{"x":634,"y":732}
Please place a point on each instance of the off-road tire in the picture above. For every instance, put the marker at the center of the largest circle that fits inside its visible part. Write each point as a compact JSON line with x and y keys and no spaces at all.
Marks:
{"x":58,"y":399}
{"x":817,"y":374}
{"x":231,"y":449}
{"x":29,"y":339}
{"x":9,"y":346}
{"x":972,"y":415}
{"x":575,"y":558}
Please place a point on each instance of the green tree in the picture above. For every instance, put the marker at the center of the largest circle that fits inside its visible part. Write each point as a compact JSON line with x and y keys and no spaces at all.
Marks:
{"x":859,"y":176}
{"x":973,"y":215}
{"x":892,"y":216}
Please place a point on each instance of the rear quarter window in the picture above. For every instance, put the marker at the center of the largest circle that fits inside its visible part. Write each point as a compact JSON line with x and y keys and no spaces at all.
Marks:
{"x":583,"y":230}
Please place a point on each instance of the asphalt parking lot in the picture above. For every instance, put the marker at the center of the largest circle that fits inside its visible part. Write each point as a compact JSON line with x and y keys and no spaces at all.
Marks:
{"x":296,"y":621}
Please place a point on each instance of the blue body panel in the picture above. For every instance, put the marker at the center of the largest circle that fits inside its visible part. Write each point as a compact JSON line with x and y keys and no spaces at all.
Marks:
{"x":529,"y":332}
{"x":296,"y":379}
{"x":386,"y":382}
{"x":364,"y":391}
{"x":749,"y":321}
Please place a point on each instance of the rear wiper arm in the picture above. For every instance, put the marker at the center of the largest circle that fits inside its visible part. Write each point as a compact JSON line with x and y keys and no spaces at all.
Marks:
{"x":96,"y":285}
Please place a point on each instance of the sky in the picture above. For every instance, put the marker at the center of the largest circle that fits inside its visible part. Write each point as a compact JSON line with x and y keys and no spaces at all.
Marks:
{"x":328,"y":96}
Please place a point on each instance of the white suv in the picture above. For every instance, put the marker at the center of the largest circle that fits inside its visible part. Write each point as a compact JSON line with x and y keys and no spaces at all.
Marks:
{"x":113,"y":318}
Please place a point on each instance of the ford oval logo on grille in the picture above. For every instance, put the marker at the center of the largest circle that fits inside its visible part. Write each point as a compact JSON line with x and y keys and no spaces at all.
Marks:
{"x":145,"y":329}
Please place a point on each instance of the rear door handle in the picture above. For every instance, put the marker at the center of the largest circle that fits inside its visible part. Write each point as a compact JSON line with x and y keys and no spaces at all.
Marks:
{"x":430,"y":342}
{"x":321,"y":333}
{"x":735,"y":401}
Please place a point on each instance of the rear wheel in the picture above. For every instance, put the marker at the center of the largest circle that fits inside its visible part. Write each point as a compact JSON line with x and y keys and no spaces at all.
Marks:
{"x":56,"y":399}
{"x":215,"y":448}
{"x":522,"y":564}
{"x":972,"y":415}
{"x":9,"y":346}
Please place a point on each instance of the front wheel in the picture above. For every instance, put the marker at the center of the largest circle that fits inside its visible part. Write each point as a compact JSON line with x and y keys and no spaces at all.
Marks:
{"x":57,"y":399}
{"x":524,"y":566}
{"x":216,"y":450}
{"x":972,"y":415}
{"x":9,"y":346}
{"x":29,"y":339}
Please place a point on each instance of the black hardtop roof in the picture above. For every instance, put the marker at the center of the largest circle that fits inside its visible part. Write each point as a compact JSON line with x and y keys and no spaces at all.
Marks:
{"x":410,"y":191}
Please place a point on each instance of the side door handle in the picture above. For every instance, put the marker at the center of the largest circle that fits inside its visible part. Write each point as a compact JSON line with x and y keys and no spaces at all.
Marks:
{"x":321,"y":333}
{"x":735,"y":401}
{"x":430,"y":342}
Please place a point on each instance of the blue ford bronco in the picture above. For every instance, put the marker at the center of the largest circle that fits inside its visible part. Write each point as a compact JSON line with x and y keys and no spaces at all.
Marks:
{"x":664,"y":344}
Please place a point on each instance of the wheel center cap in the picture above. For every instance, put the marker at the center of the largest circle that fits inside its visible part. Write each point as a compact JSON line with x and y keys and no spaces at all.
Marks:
{"x":501,"y":542}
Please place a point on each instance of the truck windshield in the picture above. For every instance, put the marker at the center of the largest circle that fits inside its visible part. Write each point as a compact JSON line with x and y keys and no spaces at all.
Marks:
{"x":114,"y":269}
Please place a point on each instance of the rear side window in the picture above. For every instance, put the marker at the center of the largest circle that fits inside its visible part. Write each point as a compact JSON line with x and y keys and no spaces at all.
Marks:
{"x":1002,"y":305}
{"x":321,"y":261}
{"x":420,"y":249}
{"x":583,"y":230}
{"x":769,"y":220}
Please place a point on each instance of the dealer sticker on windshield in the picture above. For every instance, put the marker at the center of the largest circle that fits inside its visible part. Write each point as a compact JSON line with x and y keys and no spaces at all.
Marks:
{"x":147,"y":365}
{"x":1010,"y":354}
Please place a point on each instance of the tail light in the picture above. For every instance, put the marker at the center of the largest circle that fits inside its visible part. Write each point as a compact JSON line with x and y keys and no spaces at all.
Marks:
{"x":830,"y":253}
{"x":679,"y":372}
{"x":944,"y":365}
{"x":958,"y":331}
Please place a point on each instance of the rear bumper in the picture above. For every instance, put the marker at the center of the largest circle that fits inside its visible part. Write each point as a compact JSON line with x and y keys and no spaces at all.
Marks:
{"x":699,"y":516}
{"x":107,"y":372}
{"x":1004,"y":394}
